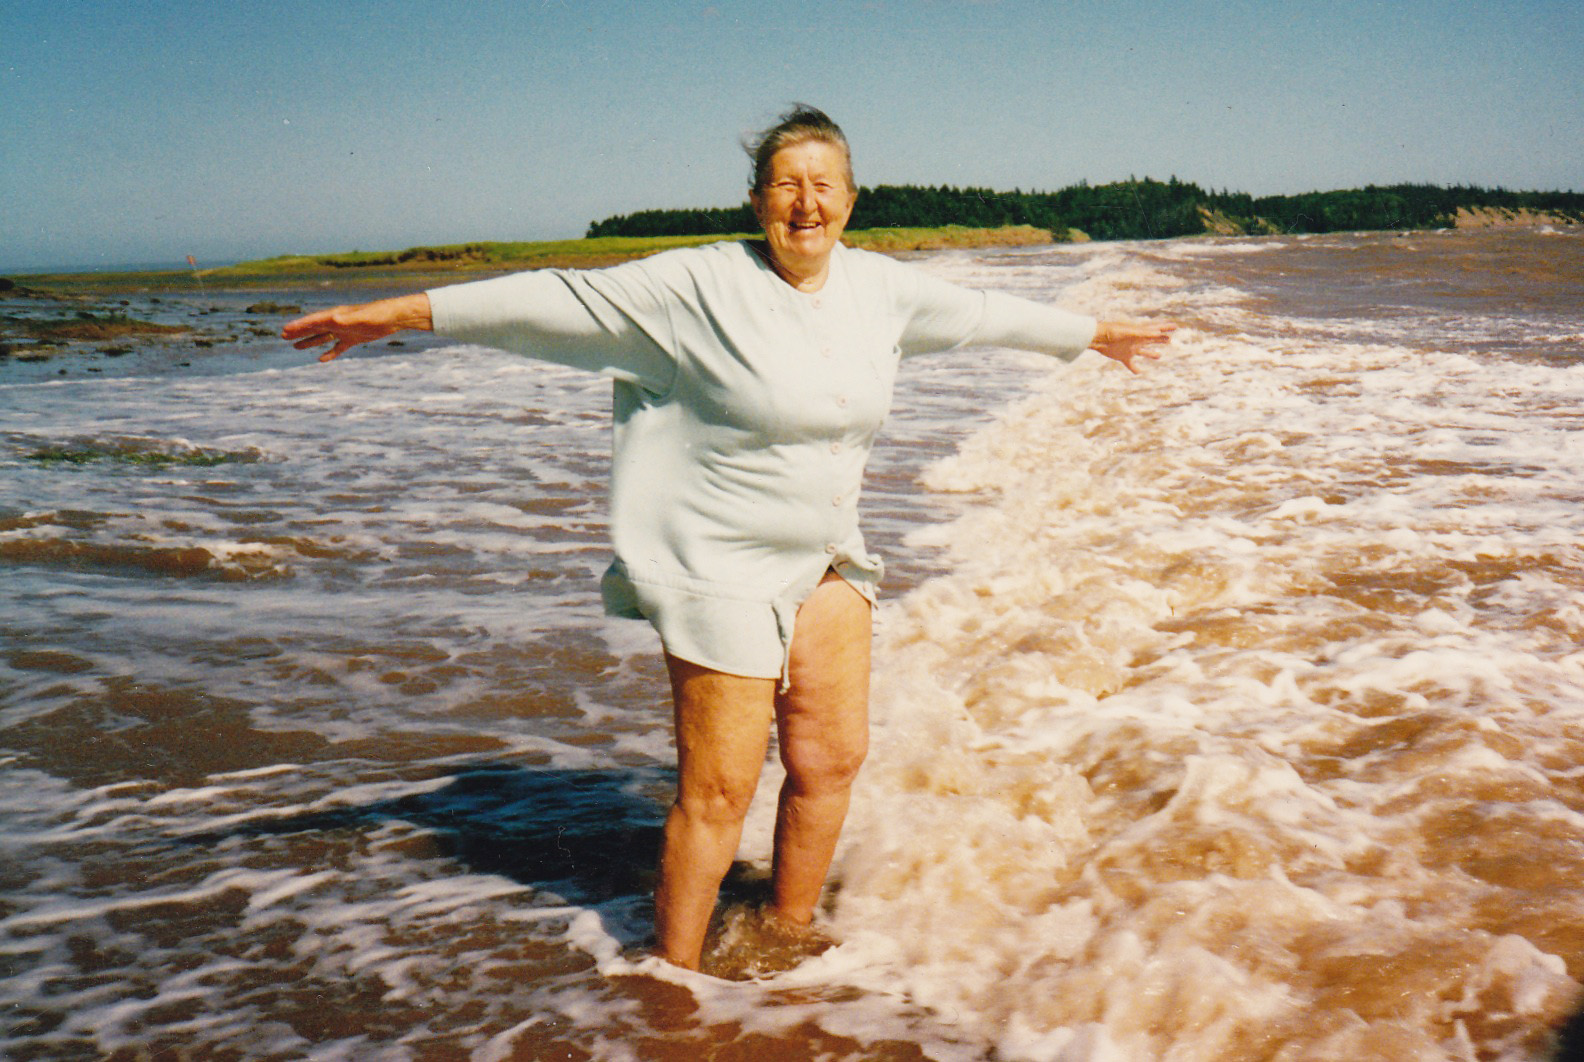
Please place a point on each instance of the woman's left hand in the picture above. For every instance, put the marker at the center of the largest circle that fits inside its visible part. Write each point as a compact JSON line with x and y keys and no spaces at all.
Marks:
{"x":1126,"y":342}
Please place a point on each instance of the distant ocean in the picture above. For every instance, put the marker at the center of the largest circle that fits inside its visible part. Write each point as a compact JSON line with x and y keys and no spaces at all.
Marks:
{"x":105,"y":267}
{"x":158,"y":266}
{"x":1233,"y":712}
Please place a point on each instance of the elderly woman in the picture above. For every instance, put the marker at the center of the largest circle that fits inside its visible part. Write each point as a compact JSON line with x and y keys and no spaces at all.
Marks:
{"x":750,"y":379}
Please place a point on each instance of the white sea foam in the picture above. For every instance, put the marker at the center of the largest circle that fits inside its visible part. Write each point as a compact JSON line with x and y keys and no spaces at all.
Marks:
{"x":1057,"y":783}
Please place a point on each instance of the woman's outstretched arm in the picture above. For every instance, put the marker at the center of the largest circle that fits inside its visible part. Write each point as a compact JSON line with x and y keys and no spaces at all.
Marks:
{"x":344,"y":327}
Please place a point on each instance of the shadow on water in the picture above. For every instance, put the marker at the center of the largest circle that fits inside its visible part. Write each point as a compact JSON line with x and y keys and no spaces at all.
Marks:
{"x":590,"y":835}
{"x":1570,"y":1040}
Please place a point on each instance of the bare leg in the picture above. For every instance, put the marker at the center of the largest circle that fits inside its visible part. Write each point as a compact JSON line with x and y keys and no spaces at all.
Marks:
{"x":722,"y":732}
{"x":823,"y":726}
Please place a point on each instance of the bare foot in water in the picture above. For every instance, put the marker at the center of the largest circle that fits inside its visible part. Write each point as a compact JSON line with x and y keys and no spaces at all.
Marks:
{"x":755,"y":942}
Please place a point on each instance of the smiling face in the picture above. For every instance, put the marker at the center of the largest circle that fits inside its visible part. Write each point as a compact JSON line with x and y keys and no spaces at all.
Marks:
{"x":803,"y":206}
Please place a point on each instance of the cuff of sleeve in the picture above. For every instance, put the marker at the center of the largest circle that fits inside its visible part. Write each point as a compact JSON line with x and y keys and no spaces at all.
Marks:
{"x":1037,"y":326}
{"x":475,"y":307}
{"x":1092,"y":326}
{"x":440,"y":313}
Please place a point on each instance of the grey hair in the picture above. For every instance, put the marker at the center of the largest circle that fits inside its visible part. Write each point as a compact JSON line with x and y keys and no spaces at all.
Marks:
{"x":799,"y":125}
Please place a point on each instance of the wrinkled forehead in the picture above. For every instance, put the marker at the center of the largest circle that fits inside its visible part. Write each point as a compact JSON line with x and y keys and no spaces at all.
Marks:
{"x":810,"y":158}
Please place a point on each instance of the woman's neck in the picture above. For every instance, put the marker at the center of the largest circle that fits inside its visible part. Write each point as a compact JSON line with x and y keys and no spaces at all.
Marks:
{"x":805,"y":277}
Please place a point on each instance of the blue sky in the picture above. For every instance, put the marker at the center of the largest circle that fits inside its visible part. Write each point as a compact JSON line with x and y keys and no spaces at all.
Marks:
{"x":146,"y":130}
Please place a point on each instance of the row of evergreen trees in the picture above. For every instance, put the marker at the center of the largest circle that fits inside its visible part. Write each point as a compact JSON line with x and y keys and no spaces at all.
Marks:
{"x":1128,"y":210}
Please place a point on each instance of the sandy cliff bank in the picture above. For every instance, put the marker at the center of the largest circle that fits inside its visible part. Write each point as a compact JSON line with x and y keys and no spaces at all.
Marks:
{"x":1505,"y":218}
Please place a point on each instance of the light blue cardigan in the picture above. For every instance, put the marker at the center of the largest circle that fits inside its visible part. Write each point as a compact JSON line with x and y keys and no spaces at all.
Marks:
{"x":744,"y":412}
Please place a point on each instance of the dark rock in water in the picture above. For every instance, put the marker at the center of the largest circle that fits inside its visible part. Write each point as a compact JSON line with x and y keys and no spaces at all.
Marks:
{"x":273,"y":307}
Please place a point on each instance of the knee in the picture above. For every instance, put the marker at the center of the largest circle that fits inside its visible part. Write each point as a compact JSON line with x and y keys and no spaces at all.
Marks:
{"x":715,"y":803}
{"x":824,"y":766}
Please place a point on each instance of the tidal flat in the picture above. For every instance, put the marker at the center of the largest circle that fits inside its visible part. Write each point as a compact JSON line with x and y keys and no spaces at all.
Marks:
{"x":68,"y":324}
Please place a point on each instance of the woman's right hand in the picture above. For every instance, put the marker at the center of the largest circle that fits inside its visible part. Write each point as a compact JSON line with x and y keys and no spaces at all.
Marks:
{"x":344,"y":327}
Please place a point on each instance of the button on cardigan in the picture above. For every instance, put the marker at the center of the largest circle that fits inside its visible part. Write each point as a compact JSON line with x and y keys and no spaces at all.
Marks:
{"x":744,"y":412}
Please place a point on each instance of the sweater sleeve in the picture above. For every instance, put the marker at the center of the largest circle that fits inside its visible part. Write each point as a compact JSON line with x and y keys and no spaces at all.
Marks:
{"x":613,"y":321}
{"x":942,"y":316}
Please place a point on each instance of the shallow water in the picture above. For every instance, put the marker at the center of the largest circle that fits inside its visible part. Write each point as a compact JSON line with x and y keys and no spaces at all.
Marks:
{"x":1231,"y":712}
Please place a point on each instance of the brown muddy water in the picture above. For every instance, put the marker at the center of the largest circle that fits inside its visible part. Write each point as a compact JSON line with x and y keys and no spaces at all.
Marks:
{"x":1234,"y":712}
